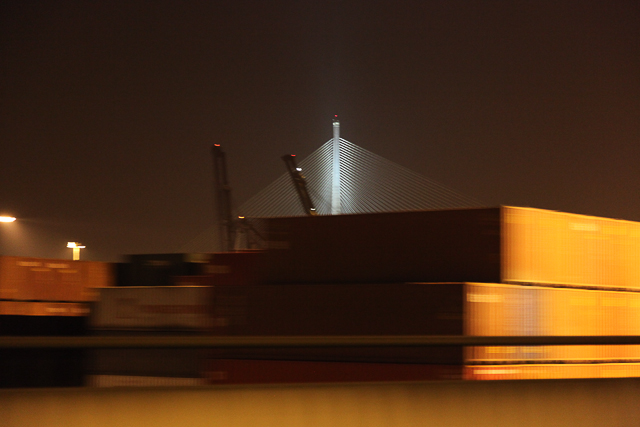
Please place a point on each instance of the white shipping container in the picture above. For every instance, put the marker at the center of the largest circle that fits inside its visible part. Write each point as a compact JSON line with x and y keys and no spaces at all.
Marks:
{"x":165,"y":308}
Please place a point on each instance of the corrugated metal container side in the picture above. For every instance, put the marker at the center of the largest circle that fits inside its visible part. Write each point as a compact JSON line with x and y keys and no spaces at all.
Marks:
{"x":69,"y":281}
{"x":228,"y":371}
{"x":17,"y":278}
{"x":193,"y":280}
{"x":515,"y":310}
{"x":142,"y":381}
{"x":42,"y":279}
{"x":7,"y":291}
{"x":547,"y":247}
{"x":162,"y":363}
{"x":552,"y":371}
{"x":236,"y":268}
{"x":159,"y":269}
{"x":340,"y":309}
{"x":72,"y":309}
{"x":122,"y":273}
{"x":417,"y":246}
{"x":95,"y":275}
{"x":476,"y":309}
{"x":171,"y":308}
{"x":446,"y":355}
{"x":507,"y":244}
{"x":14,"y":308}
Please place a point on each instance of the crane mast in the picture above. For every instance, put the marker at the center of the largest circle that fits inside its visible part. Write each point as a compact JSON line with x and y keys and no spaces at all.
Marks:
{"x":222,"y":198}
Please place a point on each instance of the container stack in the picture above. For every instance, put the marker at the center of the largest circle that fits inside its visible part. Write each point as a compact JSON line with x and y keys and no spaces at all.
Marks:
{"x":504,"y":271}
{"x":171,"y":269}
{"x":149,"y":310}
{"x":49,"y":287}
{"x":46,"y":297}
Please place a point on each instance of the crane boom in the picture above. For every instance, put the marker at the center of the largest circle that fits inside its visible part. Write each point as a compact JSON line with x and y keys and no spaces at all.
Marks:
{"x":300,"y":184}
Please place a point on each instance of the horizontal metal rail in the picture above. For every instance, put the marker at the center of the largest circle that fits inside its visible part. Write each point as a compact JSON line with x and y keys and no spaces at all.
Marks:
{"x":7,"y":342}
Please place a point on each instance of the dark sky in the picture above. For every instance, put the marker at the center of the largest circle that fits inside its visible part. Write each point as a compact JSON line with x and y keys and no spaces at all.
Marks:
{"x":109,"y":109}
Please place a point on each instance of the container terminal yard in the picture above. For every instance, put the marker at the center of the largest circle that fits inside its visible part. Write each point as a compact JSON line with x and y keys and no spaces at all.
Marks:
{"x":345,"y":284}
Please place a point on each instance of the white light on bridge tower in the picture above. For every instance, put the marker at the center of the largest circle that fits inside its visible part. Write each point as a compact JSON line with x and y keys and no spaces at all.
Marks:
{"x":335,"y":175}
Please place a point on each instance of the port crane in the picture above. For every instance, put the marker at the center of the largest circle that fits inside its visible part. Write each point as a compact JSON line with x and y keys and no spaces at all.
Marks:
{"x":300,"y":184}
{"x":230,"y":228}
{"x":222,"y":198}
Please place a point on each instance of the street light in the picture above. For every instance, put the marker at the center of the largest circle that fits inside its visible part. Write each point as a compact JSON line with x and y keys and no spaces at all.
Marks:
{"x":7,"y":218}
{"x":76,"y":246}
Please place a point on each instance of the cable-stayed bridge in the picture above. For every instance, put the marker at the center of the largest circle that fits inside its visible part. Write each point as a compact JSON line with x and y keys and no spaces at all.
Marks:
{"x":368,"y":183}
{"x":343,"y":178}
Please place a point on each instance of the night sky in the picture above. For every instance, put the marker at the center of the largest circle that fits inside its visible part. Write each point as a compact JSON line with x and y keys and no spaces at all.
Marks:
{"x":109,"y":108}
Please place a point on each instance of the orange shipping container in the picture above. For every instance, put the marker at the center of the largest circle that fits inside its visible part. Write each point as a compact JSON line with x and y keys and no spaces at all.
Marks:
{"x":547,"y":247}
{"x":552,"y":371}
{"x":41,"y":279}
{"x":517,"y":310}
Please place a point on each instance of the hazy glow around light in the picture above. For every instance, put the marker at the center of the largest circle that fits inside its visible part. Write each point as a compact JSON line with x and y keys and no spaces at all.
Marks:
{"x":7,"y":219}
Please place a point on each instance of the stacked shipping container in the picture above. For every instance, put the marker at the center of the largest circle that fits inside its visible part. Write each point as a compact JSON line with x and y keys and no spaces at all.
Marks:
{"x":499,"y":271}
{"x":40,"y":279}
{"x":536,"y":272}
{"x":49,"y":287}
{"x":161,"y":269}
{"x":46,"y":297}
{"x":492,"y":245}
{"x":150,"y":310}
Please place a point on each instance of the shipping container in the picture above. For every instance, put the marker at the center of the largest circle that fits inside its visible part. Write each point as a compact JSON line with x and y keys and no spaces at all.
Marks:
{"x":419,"y":246}
{"x":169,"y":308}
{"x":339,"y":309}
{"x":551,"y":371}
{"x":491,"y":245}
{"x":234,"y":371}
{"x":204,"y":280}
{"x":96,"y":275}
{"x":236,"y":268}
{"x":472,"y":309}
{"x":57,"y":309}
{"x":515,"y":310}
{"x":14,"y":308}
{"x":174,"y":366}
{"x":230,"y":371}
{"x":41,"y":279}
{"x":109,"y":380}
{"x":546,"y":247}
{"x":159,"y":269}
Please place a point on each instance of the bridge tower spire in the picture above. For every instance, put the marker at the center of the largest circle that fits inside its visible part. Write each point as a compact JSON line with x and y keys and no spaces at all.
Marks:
{"x":335,"y":175}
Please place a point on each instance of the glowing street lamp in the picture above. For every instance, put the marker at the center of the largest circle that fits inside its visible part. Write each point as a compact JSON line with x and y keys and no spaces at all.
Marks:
{"x":7,"y":218}
{"x":76,"y":246}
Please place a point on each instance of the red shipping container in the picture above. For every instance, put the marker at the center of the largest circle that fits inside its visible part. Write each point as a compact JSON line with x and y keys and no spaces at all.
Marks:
{"x":236,"y":268}
{"x":490,"y":245}
{"x":227,"y":371}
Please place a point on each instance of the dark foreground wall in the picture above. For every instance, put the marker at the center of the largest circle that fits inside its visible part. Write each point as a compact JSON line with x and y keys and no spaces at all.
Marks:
{"x":501,"y":403}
